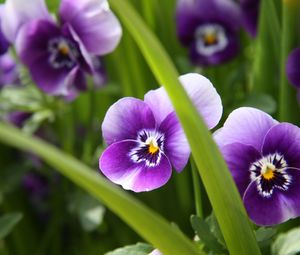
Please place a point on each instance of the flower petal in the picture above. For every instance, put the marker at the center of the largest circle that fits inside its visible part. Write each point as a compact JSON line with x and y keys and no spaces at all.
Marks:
{"x":32,"y":48}
{"x":284,"y":138}
{"x":200,"y":90}
{"x":117,"y":166}
{"x":97,"y":27}
{"x":293,"y":67}
{"x":250,"y":12}
{"x":245,"y":125}
{"x":4,"y":44}
{"x":125,"y":118}
{"x":18,"y":12}
{"x":265,"y":211}
{"x":292,"y":194}
{"x":176,"y":145}
{"x":239,"y":158}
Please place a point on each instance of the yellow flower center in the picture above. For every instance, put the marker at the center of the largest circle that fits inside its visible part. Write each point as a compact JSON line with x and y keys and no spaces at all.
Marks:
{"x":64,"y":48}
{"x":153,"y":147}
{"x":268,"y":172}
{"x":210,"y":38}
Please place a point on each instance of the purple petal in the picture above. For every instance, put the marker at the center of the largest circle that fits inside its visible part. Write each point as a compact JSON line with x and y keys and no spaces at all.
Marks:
{"x":18,"y":118}
{"x":200,"y":90}
{"x":32,"y":48}
{"x":125,"y":118}
{"x":192,"y":13}
{"x":291,"y":195}
{"x":239,"y":157}
{"x":250,"y":13}
{"x":117,"y":166}
{"x":8,"y":71}
{"x":18,"y":12}
{"x":284,"y":139}
{"x":4,"y":44}
{"x":176,"y":145}
{"x":293,"y":68}
{"x":265,"y":211}
{"x":95,"y":24}
{"x":155,"y":252}
{"x":245,"y":125}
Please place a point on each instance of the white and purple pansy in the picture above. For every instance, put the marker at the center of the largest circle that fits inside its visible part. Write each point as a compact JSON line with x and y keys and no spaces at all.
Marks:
{"x":145,"y":139}
{"x":209,"y":29}
{"x":59,"y":55}
{"x":263,"y":156}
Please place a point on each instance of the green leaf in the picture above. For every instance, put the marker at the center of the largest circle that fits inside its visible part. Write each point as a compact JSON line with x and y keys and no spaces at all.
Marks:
{"x":216,"y":178}
{"x":264,"y":236}
{"x":8,"y":222}
{"x":288,"y":243}
{"x":263,"y":102}
{"x":142,"y":219}
{"x":203,"y":231}
{"x":136,"y":249}
{"x":89,"y":210}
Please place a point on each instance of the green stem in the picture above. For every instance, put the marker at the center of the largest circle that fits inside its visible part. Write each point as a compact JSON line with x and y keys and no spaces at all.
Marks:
{"x":197,"y":189}
{"x":143,"y":220}
{"x":288,"y":104}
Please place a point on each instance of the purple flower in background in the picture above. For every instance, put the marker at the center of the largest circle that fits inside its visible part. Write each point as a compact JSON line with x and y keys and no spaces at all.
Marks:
{"x":9,"y":73}
{"x":18,"y":118}
{"x":293,"y":68}
{"x":145,"y":138}
{"x":263,"y":156}
{"x":209,"y":29}
{"x":250,"y":12}
{"x":60,"y":56}
{"x":4,"y":44}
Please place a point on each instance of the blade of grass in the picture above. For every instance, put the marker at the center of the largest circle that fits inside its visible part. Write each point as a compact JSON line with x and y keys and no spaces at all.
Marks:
{"x":144,"y":221}
{"x":218,"y":182}
{"x":288,"y":103}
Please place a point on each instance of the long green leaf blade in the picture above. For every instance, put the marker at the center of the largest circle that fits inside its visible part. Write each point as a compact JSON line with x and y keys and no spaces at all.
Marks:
{"x":147,"y":223}
{"x":218,"y":182}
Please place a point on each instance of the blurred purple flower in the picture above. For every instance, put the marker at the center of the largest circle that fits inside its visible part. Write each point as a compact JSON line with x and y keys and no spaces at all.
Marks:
{"x":250,"y":13}
{"x":145,"y":138}
{"x":264,"y":159}
{"x":209,"y":29}
{"x":9,"y":73}
{"x":293,"y":68}
{"x":4,"y":44}
{"x":60,"y":56}
{"x":18,"y":118}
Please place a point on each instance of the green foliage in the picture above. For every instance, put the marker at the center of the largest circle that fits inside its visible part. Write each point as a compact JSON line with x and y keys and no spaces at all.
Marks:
{"x":136,"y":249}
{"x":8,"y":222}
{"x":287,"y":243}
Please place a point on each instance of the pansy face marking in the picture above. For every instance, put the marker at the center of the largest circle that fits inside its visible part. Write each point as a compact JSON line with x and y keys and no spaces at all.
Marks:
{"x":149,"y":149}
{"x":63,"y":53}
{"x":210,"y":38}
{"x":269,"y":173}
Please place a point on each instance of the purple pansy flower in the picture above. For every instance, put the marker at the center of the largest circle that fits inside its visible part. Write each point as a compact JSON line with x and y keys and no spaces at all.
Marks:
{"x":263,"y":156}
{"x":250,"y":11}
{"x":293,"y":68}
{"x":209,"y":29}
{"x":145,"y":138}
{"x":4,"y":44}
{"x":9,"y":73}
{"x":59,"y":56}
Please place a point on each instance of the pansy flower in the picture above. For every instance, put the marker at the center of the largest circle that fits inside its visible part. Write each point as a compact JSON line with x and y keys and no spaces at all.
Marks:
{"x":145,"y":139}
{"x":209,"y":29}
{"x":4,"y":44}
{"x":9,"y":71}
{"x":293,"y":68}
{"x":250,"y":13}
{"x":263,"y":156}
{"x":155,"y":252}
{"x":59,"y":55}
